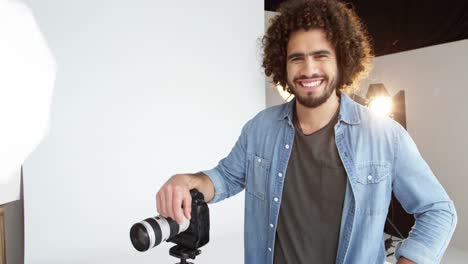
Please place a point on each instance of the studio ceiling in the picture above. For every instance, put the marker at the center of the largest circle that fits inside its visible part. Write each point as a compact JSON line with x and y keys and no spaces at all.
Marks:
{"x":401,"y":25}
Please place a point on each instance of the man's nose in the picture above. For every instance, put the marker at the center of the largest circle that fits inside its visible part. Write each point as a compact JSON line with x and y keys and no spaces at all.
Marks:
{"x":310,"y":67}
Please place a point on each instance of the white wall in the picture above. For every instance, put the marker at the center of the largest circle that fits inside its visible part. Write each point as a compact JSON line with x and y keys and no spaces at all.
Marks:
{"x":145,"y":89}
{"x":435,"y":82}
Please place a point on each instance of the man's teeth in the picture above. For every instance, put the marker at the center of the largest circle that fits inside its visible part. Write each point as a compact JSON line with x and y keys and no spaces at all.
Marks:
{"x":312,"y":84}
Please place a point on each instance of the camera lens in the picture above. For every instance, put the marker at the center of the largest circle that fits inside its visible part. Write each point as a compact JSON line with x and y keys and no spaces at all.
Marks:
{"x":150,"y":232}
{"x":140,"y":238}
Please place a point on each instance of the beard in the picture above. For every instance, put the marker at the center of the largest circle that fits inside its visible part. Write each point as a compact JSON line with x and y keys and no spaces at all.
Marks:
{"x":311,"y":101}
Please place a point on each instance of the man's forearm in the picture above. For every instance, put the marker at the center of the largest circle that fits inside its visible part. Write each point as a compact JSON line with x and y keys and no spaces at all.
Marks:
{"x":203,"y":184}
{"x":430,"y":235}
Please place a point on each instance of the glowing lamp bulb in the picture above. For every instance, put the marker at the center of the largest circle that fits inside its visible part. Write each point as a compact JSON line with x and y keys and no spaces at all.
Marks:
{"x":381,"y":105}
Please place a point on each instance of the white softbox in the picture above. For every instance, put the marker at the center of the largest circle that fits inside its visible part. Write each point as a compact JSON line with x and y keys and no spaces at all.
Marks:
{"x":27,"y":75}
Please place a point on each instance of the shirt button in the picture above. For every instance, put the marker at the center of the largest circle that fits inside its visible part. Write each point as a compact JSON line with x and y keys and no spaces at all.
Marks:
{"x":269,"y":249}
{"x":280,"y":174}
{"x":369,"y":177}
{"x":259,"y":160}
{"x":287,"y":146}
{"x":271,"y":225}
{"x":276,"y":199}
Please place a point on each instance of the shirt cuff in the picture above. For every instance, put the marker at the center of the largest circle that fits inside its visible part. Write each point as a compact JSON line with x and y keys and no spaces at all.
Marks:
{"x":415,"y":251}
{"x":218,"y":184}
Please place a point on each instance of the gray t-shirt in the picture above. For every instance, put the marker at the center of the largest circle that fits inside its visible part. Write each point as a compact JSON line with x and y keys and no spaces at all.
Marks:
{"x":312,"y":202}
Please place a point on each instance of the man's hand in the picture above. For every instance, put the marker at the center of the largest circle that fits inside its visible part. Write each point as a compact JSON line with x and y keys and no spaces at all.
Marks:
{"x":173,"y":196}
{"x":404,"y":260}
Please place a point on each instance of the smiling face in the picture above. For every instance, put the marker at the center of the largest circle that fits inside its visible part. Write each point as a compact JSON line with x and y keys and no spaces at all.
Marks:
{"x":311,"y":67}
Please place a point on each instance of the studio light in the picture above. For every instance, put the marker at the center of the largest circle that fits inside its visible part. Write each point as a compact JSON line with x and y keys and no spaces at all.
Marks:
{"x":27,"y":76}
{"x":379,"y":100}
{"x":381,"y":105}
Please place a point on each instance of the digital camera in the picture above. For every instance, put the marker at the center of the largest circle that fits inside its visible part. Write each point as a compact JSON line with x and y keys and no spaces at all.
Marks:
{"x":191,"y":234}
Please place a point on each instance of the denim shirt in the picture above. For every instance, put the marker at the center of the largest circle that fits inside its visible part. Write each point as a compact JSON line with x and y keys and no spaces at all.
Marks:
{"x":379,"y":157}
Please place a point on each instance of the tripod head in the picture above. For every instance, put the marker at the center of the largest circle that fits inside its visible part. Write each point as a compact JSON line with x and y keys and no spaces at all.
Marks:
{"x":184,"y":253}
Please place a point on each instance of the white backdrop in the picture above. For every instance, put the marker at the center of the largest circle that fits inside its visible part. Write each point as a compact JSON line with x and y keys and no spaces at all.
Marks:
{"x":145,"y":89}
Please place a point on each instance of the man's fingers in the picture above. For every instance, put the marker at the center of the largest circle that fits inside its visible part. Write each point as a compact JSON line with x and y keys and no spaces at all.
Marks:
{"x":162,"y":203}
{"x":174,"y":200}
{"x":170,"y":212}
{"x":187,"y":205}
{"x":158,"y":203}
{"x":177,"y":205}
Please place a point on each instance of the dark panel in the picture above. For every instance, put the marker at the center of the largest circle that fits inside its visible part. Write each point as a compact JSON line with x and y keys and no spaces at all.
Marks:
{"x":272,"y":5}
{"x":401,"y":25}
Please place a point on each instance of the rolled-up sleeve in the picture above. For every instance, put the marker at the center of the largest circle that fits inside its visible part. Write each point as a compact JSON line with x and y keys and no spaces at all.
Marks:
{"x":421,"y":194}
{"x":228,"y":176}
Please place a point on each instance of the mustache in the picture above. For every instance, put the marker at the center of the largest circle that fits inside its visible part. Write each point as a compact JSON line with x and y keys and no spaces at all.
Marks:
{"x":302,"y":77}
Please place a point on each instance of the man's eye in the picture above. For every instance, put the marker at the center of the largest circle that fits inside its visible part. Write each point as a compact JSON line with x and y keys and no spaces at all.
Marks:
{"x":295,"y":59}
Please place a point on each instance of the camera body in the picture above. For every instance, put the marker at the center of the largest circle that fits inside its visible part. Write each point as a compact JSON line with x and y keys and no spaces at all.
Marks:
{"x":198,"y":233}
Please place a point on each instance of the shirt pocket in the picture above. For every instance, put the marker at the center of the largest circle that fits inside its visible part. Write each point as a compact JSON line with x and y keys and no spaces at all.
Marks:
{"x":257,"y":176}
{"x":372,"y":188}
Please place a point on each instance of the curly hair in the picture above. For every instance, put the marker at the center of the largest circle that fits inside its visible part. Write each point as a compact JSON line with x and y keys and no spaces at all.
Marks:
{"x":342,"y":27}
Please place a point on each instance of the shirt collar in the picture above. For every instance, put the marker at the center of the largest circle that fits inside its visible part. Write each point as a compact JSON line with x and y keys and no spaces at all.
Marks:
{"x":349,"y":110}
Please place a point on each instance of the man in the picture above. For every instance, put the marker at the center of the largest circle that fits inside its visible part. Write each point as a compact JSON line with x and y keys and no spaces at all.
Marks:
{"x":319,"y":171}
